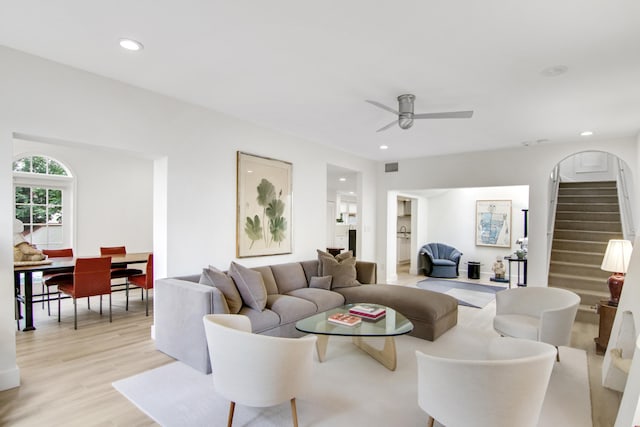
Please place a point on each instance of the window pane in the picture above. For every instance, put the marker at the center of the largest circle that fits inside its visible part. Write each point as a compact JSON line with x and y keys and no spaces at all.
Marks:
{"x":55,"y":215}
{"x":39,"y":164}
{"x":39,"y":196}
{"x":39,"y":235}
{"x":23,"y":213}
{"x":56,"y":168}
{"x":55,"y":235}
{"x":39,"y":214}
{"x":55,"y":197}
{"x":22,"y":165}
{"x":23,"y":194}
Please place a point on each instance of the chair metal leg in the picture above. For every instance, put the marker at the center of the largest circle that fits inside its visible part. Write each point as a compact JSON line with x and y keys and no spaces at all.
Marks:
{"x":232,"y":407}
{"x":58,"y":308}
{"x":142,"y":294}
{"x":430,"y":421}
{"x":100,"y":305}
{"x":75,"y":314}
{"x":42,"y":292}
{"x":294,"y":412}
{"x":147,"y":303}
{"x":88,"y":303}
{"x":110,"y":318}
{"x":557,"y":354}
{"x":126,"y":291}
{"x":48,"y":303}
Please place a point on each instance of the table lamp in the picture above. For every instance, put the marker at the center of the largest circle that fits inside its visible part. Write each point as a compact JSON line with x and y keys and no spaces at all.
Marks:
{"x":616,"y":260}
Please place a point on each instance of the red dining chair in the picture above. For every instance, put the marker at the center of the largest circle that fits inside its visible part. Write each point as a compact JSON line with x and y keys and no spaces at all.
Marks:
{"x":145,"y":281}
{"x":120,"y":273}
{"x":91,"y":276}
{"x":54,"y":279}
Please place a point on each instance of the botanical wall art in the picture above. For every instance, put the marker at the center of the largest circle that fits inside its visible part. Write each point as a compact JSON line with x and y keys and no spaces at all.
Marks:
{"x":493,"y":223}
{"x":264,"y":206}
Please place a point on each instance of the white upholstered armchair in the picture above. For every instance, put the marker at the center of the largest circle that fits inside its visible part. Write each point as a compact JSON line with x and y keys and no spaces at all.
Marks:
{"x":536,"y":313}
{"x":256,"y":370}
{"x":503,"y":388}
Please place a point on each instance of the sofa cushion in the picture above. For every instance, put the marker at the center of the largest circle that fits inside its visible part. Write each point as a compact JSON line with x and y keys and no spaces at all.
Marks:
{"x":250,"y":285}
{"x":261,"y":321}
{"x":343,"y":273}
{"x":290,"y":308}
{"x":517,"y":325}
{"x":324,"y":300}
{"x":320,"y":282}
{"x":340,"y":257}
{"x":446,"y":262}
{"x":289,"y":276}
{"x":213,"y":277}
{"x":267,"y":277}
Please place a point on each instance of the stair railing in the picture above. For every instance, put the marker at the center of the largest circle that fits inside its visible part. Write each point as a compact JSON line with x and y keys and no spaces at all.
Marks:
{"x":554,"y":184}
{"x":624,"y":200}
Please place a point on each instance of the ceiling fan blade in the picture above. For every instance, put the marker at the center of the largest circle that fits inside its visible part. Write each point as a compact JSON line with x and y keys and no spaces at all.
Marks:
{"x":447,"y":115}
{"x":384,"y":107}
{"x":387,"y":126}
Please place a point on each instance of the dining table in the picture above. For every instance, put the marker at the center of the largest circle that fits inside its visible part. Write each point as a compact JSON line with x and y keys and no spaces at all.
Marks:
{"x":50,"y":266}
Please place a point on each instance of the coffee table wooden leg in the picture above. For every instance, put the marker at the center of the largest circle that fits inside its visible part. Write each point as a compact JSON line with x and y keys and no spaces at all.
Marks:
{"x":387,"y":356}
{"x":321,"y":346}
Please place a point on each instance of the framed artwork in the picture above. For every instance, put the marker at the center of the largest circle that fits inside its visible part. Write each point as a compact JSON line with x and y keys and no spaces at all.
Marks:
{"x":493,"y":223}
{"x":263,"y":216}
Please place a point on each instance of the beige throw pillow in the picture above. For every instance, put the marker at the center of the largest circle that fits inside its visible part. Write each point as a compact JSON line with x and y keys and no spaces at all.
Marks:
{"x":340,"y":257}
{"x":343,"y":273}
{"x":250,"y":285}
{"x":213,"y":277}
{"x":320,"y":282}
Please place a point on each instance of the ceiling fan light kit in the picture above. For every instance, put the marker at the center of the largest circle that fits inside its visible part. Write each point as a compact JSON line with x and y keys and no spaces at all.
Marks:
{"x":406,"y":115}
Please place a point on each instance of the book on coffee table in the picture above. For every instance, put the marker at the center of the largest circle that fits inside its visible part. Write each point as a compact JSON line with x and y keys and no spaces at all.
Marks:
{"x":368,"y":311}
{"x":344,"y":319}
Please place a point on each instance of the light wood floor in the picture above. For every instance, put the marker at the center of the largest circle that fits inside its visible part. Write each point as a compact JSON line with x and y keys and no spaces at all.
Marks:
{"x":67,"y":375}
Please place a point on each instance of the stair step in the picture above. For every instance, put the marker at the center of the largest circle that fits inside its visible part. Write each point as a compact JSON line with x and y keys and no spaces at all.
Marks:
{"x":594,"y":258}
{"x":587,"y":207}
{"x":576,"y":269}
{"x":587,"y":199}
{"x":590,"y":236}
{"x":588,"y":184}
{"x":612,"y":226}
{"x":579,"y":245}
{"x":587,"y":216}
{"x":587,"y":314}
{"x":588,"y":191}
{"x":569,"y":281}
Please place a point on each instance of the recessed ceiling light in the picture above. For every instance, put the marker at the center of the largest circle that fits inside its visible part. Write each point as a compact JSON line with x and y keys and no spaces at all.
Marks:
{"x":554,"y":71}
{"x":384,"y":147}
{"x":131,"y":44}
{"x":342,"y":179}
{"x":586,"y":133}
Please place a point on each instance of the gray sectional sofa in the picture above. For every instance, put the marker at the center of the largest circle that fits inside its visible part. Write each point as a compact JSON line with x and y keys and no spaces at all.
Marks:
{"x":181,"y":302}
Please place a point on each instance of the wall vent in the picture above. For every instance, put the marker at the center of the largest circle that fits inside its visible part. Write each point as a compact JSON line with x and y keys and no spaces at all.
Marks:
{"x":391,"y":167}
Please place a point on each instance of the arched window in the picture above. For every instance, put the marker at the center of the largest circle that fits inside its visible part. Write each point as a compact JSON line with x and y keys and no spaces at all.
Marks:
{"x":43,"y":196}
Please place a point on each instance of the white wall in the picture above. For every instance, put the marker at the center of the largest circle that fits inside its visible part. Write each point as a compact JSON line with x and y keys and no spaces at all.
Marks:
{"x":113,"y":196}
{"x":451,"y":220}
{"x":195,"y":152}
{"x":529,"y":166}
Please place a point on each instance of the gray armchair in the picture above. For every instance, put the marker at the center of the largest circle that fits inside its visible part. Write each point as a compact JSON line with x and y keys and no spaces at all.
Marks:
{"x":439,"y":260}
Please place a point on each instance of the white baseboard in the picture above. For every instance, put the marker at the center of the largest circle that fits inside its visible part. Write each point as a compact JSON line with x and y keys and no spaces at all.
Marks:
{"x":10,"y":378}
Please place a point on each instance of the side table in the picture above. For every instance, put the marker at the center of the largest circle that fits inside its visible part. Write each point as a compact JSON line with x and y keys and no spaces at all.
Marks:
{"x":518,"y":261}
{"x":607,"y":315}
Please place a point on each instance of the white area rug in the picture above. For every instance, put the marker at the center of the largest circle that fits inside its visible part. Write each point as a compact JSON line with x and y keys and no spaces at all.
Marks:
{"x":349,"y":389}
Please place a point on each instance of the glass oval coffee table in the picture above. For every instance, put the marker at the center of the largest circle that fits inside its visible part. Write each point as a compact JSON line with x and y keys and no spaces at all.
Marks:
{"x":390,"y":325}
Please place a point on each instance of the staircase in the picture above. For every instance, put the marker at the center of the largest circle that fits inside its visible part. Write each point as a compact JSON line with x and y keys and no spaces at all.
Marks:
{"x":587,"y":217}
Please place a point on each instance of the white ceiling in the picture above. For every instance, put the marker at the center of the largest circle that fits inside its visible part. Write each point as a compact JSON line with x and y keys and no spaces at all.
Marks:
{"x":306,"y":67}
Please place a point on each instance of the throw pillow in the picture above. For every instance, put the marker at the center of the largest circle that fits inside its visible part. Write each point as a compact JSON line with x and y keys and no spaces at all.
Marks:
{"x":250,"y":285}
{"x":343,"y":273}
{"x":340,"y":257}
{"x":213,"y":277}
{"x":320,"y":282}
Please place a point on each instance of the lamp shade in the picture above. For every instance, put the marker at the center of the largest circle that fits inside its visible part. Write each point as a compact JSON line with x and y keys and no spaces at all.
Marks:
{"x":616,"y":258}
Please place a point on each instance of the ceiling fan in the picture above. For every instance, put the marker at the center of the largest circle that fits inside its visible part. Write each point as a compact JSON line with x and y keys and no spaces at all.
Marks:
{"x":406,"y":115}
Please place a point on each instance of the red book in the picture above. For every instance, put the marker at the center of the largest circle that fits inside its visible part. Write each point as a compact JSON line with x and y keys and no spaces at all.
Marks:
{"x":368,"y":311}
